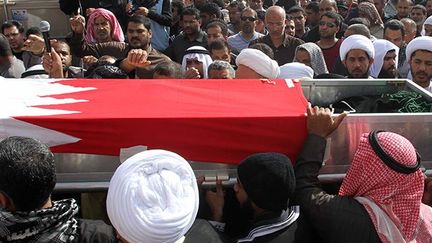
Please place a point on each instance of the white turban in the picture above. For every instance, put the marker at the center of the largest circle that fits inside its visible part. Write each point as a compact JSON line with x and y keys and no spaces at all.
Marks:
{"x":419,"y":43}
{"x":153,"y":197}
{"x":259,"y":62}
{"x":199,"y":53}
{"x":381,"y":48}
{"x":428,"y":21}
{"x":295,"y":70}
{"x":356,"y":42}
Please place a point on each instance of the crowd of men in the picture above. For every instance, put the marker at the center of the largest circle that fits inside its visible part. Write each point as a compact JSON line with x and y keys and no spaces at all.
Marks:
{"x":154,"y":196}
{"x":182,"y":39}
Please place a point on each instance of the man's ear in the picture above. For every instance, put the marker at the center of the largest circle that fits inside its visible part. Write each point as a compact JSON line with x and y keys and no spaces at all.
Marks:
{"x":6,"y":202}
{"x":371,"y":60}
{"x":344,"y":63}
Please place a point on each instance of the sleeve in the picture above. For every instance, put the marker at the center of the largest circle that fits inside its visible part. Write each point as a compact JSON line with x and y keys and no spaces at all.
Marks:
{"x":170,"y":50}
{"x":81,"y":48}
{"x":166,"y":17}
{"x":68,"y":6}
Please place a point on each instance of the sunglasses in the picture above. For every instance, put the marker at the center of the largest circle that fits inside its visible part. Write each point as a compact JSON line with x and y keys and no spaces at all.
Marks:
{"x":330,"y":25}
{"x":251,"y":19}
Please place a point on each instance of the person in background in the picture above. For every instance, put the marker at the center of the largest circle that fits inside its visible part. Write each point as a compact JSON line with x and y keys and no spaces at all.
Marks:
{"x":195,"y":62}
{"x":419,"y":56}
{"x":221,"y":70}
{"x":216,"y":30}
{"x":418,"y":14}
{"x":410,"y":29}
{"x":311,"y":55}
{"x":328,"y":27}
{"x":385,"y":61}
{"x":241,"y":40}
{"x":177,"y":8}
{"x":367,"y":10}
{"x":102,"y":27}
{"x":312,"y":15}
{"x":10,"y":66}
{"x":299,"y":17}
{"x":219,"y":50}
{"x":357,"y":54}
{"x":210,"y":11}
{"x":235,"y":8}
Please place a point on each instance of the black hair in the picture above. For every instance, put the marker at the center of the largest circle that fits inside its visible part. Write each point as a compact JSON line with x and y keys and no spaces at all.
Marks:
{"x":261,"y":15}
{"x":140,"y":19}
{"x":12,"y":23}
{"x":295,"y":9}
{"x":218,"y":22}
{"x":27,"y":172}
{"x":421,"y":7}
{"x":190,"y":11}
{"x":333,"y":15}
{"x":314,"y":6}
{"x":211,"y":9}
{"x":33,"y":31}
{"x":218,"y":45}
{"x":266,"y":49}
{"x":237,"y":4}
{"x":179,"y":5}
{"x":359,"y":20}
{"x":169,"y":69}
{"x":5,"y":49}
{"x":220,"y":3}
{"x":249,"y":10}
{"x":395,"y":24}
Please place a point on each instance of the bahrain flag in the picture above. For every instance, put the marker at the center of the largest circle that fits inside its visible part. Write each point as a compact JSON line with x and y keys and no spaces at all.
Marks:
{"x":220,"y":121}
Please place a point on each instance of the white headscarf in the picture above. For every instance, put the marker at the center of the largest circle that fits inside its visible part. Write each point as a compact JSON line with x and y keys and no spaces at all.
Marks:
{"x":356,"y":42}
{"x":428,"y":21}
{"x":259,"y":62}
{"x":153,"y":197}
{"x":199,"y":53}
{"x":295,"y":70}
{"x":381,"y":48}
{"x":418,"y":43}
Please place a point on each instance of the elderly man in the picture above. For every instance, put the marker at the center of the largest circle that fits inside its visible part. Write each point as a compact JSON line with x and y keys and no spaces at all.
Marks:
{"x":27,"y":213}
{"x":241,"y":40}
{"x":196,"y":62}
{"x":419,"y":54}
{"x":102,"y":27}
{"x":153,"y":197}
{"x":357,"y":55}
{"x":380,"y":197}
{"x":410,"y":29}
{"x":221,"y":70}
{"x":282,"y":44}
{"x":254,"y":64}
{"x":137,"y":57}
{"x":385,"y":61}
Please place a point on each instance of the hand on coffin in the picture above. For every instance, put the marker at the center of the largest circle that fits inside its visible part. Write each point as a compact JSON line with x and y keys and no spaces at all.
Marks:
{"x":427,"y":194}
{"x":77,"y":24}
{"x":192,"y":73}
{"x":320,"y":121}
{"x":138,"y":58}
{"x":216,"y":201}
{"x":34,"y":44}
{"x":52,"y":64}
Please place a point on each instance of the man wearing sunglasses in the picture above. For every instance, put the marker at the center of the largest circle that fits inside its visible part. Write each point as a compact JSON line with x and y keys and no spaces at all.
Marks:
{"x":329,"y":25}
{"x":241,"y":40}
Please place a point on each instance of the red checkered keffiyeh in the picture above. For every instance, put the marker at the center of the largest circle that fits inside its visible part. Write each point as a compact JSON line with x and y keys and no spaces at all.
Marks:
{"x":116,"y":30}
{"x":397,"y":194}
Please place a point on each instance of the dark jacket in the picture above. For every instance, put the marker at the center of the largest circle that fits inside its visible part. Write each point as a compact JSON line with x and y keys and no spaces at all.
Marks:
{"x":335,"y":218}
{"x":95,"y":231}
{"x":203,"y":231}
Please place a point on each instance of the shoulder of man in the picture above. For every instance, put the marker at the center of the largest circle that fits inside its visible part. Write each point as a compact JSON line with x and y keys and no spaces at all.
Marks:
{"x":203,"y":231}
{"x":95,"y":231}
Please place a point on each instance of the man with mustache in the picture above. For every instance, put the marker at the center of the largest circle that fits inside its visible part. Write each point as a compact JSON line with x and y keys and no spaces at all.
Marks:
{"x":192,"y":35}
{"x":357,"y":55}
{"x":385,"y":61}
{"x":247,"y":34}
{"x":137,"y":57}
{"x":419,"y":54}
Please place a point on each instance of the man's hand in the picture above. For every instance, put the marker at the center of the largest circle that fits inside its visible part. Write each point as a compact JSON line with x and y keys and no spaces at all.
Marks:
{"x":89,"y":11}
{"x":142,"y":11}
{"x":138,"y":58}
{"x":52,"y":64}
{"x":34,"y":44}
{"x":216,"y":201}
{"x":192,"y":73}
{"x":77,"y":24}
{"x":320,"y":122}
{"x":89,"y":60}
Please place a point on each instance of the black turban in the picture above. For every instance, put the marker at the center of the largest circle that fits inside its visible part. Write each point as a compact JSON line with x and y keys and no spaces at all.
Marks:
{"x":268,"y":179}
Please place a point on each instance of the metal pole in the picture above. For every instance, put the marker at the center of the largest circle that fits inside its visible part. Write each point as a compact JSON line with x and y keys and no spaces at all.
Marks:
{"x":5,"y":4}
